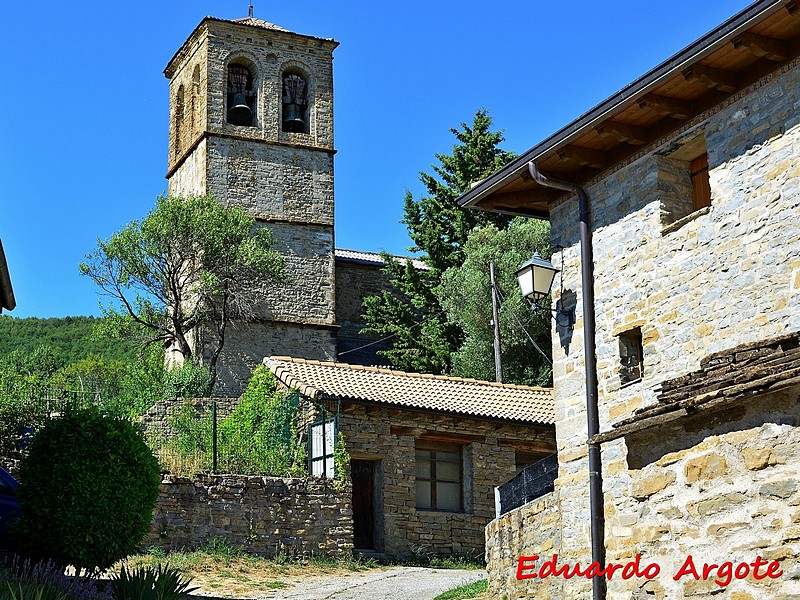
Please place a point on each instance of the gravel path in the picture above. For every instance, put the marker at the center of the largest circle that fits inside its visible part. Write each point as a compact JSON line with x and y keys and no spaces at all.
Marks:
{"x":396,"y":583}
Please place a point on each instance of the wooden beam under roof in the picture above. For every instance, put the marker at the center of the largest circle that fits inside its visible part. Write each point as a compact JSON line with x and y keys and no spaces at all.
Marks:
{"x":583,"y":156}
{"x":622,"y":132}
{"x":761,"y":46}
{"x":715,"y":79}
{"x":667,"y":107}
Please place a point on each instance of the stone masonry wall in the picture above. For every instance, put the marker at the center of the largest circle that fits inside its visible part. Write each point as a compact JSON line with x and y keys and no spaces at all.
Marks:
{"x":272,"y":181}
{"x":712,"y":280}
{"x":533,"y":529}
{"x":354,"y":282}
{"x":247,"y":344}
{"x":389,"y":436}
{"x":263,"y":515}
{"x":155,"y":421}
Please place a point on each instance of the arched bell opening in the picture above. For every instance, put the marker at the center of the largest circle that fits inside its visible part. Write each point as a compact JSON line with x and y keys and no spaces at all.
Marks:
{"x":295,"y":102}
{"x":241,"y":95}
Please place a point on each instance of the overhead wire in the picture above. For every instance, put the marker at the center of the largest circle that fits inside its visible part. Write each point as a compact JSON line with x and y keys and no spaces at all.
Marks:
{"x":505,"y":306}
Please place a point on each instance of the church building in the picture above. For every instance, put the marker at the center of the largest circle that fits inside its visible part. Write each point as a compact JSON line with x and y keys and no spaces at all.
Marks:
{"x":251,"y":123}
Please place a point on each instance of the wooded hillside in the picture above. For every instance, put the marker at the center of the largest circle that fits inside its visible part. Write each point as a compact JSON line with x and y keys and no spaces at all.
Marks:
{"x":71,"y":337}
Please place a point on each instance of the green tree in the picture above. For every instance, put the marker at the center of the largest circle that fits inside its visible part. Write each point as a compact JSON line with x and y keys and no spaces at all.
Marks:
{"x":465,"y":294}
{"x":190,"y":263}
{"x":423,"y":339}
{"x":93,"y":374}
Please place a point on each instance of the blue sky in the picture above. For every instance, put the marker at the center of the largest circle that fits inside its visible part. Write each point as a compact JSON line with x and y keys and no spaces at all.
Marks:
{"x":84,"y":105}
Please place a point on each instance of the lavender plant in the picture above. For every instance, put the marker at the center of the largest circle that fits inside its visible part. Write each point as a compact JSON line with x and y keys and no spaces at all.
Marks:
{"x":27,"y":580}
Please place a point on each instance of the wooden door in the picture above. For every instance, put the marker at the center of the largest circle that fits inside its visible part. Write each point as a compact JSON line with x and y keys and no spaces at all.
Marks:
{"x":362,"y":473}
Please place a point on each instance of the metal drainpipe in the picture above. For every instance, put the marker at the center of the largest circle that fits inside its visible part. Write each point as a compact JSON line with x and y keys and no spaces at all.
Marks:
{"x":592,"y":414}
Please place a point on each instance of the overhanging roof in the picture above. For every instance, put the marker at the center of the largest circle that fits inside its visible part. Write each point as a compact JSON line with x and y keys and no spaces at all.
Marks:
{"x":374,"y":258}
{"x":752,"y":44}
{"x":452,"y":395}
{"x":7,"y":300}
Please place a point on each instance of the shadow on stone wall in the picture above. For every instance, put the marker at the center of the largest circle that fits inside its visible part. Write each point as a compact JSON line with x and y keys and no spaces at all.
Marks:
{"x":648,"y":446}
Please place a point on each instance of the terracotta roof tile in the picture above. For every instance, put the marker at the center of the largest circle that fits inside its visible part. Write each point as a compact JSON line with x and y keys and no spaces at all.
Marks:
{"x":258,"y":23}
{"x":470,"y":397}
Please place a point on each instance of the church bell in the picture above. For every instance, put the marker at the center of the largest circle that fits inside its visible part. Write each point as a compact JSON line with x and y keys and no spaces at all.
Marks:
{"x":294,"y":103}
{"x":293,"y":118}
{"x":239,"y":113}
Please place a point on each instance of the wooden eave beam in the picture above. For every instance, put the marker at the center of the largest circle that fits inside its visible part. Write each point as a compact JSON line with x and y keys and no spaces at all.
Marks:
{"x":530,"y":202}
{"x":762,"y":47}
{"x":583,"y":156}
{"x":666,"y":107}
{"x":715,"y":79}
{"x":622,"y":132}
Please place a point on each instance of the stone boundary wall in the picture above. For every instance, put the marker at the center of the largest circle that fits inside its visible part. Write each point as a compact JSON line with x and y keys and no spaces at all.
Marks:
{"x":531,"y":529}
{"x":262,"y":515}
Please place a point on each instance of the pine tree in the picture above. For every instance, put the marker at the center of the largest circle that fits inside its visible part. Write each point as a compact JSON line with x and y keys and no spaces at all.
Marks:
{"x":423,"y":339}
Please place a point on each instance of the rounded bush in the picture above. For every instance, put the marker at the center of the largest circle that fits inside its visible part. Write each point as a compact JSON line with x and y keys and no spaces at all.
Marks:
{"x":88,"y":487}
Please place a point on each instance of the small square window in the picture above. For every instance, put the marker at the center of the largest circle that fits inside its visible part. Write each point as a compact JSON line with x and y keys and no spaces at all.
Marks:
{"x":631,"y":367}
{"x":439,"y":477}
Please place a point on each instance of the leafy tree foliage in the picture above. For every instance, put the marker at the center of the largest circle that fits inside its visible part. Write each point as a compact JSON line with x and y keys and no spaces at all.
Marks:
{"x":465,"y":293}
{"x":89,"y":484}
{"x":423,"y":339}
{"x":190,"y":263}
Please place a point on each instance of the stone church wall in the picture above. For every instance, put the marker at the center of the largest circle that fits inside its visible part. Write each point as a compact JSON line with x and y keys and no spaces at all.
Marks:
{"x":722,"y":487}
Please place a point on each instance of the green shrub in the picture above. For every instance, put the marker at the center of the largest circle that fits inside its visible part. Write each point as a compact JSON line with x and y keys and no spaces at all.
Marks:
{"x":188,"y":381}
{"x":88,"y":486}
{"x":260,"y":436}
{"x":146,"y":583}
{"x":341,"y":460}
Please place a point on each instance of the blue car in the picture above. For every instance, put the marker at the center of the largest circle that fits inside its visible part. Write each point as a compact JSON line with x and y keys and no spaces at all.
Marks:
{"x":9,"y":507}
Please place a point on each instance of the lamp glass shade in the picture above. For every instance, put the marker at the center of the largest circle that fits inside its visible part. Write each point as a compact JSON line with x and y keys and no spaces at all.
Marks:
{"x":536,"y":277}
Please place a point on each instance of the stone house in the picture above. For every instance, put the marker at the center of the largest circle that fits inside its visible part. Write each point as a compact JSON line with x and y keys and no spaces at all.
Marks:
{"x":426,"y":451}
{"x":691,"y":175}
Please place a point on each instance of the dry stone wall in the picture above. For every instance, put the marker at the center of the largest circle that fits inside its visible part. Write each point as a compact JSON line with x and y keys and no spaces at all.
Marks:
{"x":263,"y":515}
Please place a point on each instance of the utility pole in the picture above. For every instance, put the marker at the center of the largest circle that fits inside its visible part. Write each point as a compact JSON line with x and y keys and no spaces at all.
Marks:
{"x":498,"y":363}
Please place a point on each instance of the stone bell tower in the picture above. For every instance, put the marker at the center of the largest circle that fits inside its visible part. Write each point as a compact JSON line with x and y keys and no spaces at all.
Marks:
{"x":251,"y":123}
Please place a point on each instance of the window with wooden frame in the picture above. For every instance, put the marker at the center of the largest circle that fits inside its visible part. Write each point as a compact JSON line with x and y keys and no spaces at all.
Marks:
{"x":683,"y":184}
{"x":701,"y":186}
{"x":631,"y":363}
{"x":439,"y":477}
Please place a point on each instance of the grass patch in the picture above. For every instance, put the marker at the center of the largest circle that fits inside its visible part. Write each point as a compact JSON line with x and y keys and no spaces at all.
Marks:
{"x":470,"y":590}
{"x":229,"y":571}
{"x":423,"y":558}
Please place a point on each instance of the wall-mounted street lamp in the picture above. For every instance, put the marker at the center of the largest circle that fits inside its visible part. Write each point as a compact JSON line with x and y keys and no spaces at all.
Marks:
{"x":535,"y":280}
